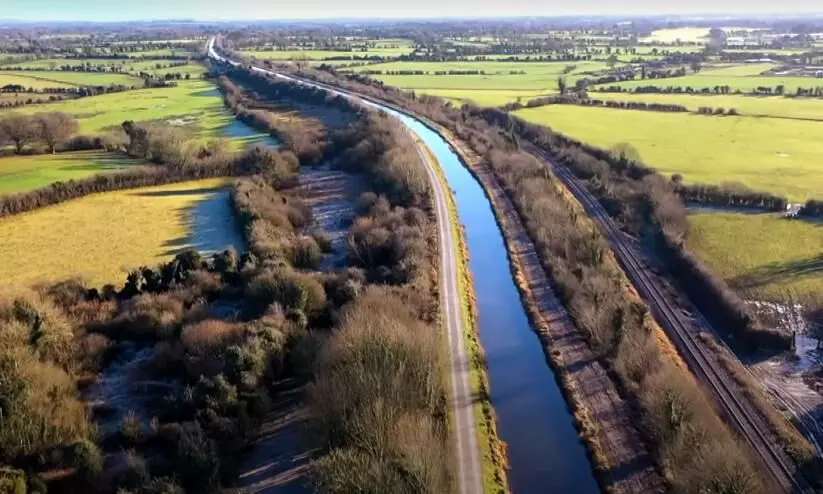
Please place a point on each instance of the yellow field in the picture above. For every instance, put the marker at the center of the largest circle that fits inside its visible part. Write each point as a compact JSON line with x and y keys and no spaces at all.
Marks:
{"x":103,"y":236}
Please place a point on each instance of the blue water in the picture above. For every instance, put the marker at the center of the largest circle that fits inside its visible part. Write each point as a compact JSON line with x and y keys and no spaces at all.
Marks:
{"x":544,"y":449}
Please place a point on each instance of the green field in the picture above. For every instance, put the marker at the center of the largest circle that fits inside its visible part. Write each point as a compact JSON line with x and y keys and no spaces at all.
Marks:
{"x":50,"y":77}
{"x":779,"y":155}
{"x":772,"y":106}
{"x":103,"y":236}
{"x":743,"y":77}
{"x":22,"y":173}
{"x":196,"y":102}
{"x":321,"y":54}
{"x":30,"y":82}
{"x":762,"y":255}
{"x":494,"y":88}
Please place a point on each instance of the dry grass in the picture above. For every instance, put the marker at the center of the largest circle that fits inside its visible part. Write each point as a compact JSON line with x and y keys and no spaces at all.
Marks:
{"x":202,"y":336}
{"x":100,"y":237}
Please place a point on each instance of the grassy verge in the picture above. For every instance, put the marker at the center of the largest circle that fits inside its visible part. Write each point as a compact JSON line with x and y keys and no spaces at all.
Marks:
{"x":494,"y":460}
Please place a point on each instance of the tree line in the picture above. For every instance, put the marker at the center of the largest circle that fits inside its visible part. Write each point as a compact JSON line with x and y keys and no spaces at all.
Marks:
{"x":49,"y":129}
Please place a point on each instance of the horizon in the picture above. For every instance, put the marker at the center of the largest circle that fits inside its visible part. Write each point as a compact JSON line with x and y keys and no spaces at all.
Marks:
{"x":94,"y":11}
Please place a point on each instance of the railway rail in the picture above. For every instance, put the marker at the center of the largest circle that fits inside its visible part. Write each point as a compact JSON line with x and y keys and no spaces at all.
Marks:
{"x":741,"y":414}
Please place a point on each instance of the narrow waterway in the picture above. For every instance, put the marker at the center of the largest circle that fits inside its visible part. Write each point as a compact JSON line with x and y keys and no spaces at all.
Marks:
{"x":545,"y":452}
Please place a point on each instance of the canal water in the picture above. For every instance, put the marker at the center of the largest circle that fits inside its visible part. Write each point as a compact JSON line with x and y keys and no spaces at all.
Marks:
{"x":545,"y":452}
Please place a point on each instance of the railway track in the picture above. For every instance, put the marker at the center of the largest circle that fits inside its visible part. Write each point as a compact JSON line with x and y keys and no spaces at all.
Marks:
{"x":739,"y":411}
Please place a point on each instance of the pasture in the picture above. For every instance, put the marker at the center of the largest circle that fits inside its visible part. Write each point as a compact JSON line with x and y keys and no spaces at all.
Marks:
{"x":503,"y":82}
{"x":778,"y":155}
{"x":195,"y":104}
{"x":22,"y":173}
{"x":58,"y":78}
{"x":762,"y":255}
{"x":382,"y":49}
{"x":31,"y":81}
{"x":743,"y":77}
{"x":104,"y":236}
{"x":755,"y":106}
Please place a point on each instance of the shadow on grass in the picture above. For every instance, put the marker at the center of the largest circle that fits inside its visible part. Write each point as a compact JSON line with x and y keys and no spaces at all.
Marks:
{"x":778,"y":271}
{"x":210,"y":222}
{"x":182,"y":192}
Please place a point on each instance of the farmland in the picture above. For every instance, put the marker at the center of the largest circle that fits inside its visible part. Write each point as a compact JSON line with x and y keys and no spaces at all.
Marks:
{"x":763,"y":255}
{"x":737,"y":77}
{"x":195,"y":104}
{"x":103,"y":236}
{"x":22,"y":173}
{"x":753,"y":106}
{"x":58,"y":78}
{"x":779,"y":155}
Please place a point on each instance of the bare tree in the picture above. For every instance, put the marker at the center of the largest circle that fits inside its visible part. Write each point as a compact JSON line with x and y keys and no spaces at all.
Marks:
{"x":20,"y":130}
{"x":55,"y":128}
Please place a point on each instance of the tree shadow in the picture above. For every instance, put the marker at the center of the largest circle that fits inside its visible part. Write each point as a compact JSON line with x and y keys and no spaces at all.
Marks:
{"x":181,"y":192}
{"x":778,"y":271}
{"x":210,"y":222}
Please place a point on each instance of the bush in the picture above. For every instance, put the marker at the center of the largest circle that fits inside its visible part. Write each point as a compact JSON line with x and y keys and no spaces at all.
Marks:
{"x":85,"y":458}
{"x":197,"y":461}
{"x":12,"y":481}
{"x":131,"y":430}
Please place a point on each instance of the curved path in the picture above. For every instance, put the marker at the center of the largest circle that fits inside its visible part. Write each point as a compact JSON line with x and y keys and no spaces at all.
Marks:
{"x":470,"y":472}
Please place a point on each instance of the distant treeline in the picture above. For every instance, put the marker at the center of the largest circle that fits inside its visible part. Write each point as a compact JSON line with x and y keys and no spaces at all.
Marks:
{"x":440,"y":72}
{"x":778,"y":90}
{"x":574,"y":99}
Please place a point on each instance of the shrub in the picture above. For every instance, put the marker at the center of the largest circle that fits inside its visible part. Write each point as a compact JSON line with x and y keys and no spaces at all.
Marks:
{"x":12,"y":481}
{"x":85,"y":458}
{"x":131,"y":430}
{"x":197,"y":461}
{"x":307,"y":253}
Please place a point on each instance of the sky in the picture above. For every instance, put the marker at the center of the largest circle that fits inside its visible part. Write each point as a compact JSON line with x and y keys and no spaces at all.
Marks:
{"x":120,"y":10}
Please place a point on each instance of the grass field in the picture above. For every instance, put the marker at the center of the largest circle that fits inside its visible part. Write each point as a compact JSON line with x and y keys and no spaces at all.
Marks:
{"x":22,"y":173}
{"x":772,"y":106}
{"x":778,"y":155}
{"x":743,"y":77}
{"x":494,"y":88}
{"x":103,"y":236}
{"x":486,"y":97}
{"x":197,"y":99}
{"x":31,"y":82}
{"x":50,"y":77}
{"x":764,"y":255}
{"x":321,"y":54}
